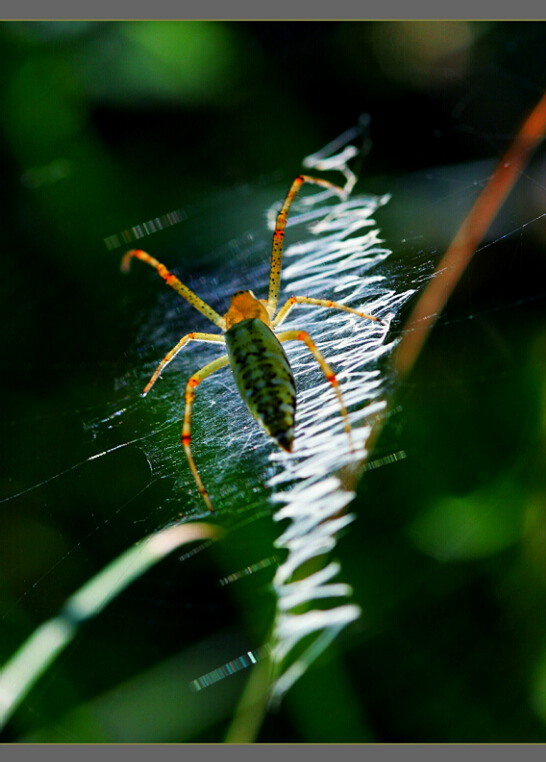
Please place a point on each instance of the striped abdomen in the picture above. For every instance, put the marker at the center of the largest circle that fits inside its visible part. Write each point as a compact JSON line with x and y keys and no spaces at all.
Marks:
{"x":264,"y":378}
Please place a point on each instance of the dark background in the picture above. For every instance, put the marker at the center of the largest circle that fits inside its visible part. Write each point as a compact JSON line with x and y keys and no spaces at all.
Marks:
{"x":107,"y":125}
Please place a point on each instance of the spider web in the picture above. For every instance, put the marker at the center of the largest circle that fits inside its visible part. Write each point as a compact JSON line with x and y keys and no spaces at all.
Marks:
{"x":338,"y":253}
{"x":340,"y":256}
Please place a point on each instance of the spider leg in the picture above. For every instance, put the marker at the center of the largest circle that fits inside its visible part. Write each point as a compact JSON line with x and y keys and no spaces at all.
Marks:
{"x":172,"y":281}
{"x":194,"y":381}
{"x":291,"y":303}
{"x":326,"y":369}
{"x":176,"y":349}
{"x":278,"y":235}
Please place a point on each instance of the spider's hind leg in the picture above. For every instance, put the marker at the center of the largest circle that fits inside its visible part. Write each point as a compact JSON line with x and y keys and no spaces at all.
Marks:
{"x":194,"y":381}
{"x":326,"y":369}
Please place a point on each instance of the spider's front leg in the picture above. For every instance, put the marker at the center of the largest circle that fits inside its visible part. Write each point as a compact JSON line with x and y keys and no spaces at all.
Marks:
{"x":278,"y":235}
{"x":172,"y":281}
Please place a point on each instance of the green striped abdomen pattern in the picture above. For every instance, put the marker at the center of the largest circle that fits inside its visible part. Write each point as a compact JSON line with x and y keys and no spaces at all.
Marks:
{"x":264,"y":378}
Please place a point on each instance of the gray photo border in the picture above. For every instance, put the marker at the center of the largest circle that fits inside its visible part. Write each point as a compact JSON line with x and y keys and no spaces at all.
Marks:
{"x":289,"y":10}
{"x":292,"y":10}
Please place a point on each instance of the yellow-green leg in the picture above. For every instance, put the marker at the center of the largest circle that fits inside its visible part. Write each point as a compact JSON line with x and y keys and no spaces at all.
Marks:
{"x":291,"y":303}
{"x":278,"y":235}
{"x":172,"y":281}
{"x":194,"y":381}
{"x":175,"y":350}
{"x":326,"y":369}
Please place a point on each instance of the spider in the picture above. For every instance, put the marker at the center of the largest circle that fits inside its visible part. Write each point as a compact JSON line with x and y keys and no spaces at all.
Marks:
{"x":258,"y":361}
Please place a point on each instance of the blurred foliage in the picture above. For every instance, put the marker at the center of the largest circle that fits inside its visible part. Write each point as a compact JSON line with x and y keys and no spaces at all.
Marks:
{"x":106,"y":125}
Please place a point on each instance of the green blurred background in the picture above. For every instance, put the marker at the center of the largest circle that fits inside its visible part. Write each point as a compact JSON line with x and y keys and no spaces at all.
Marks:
{"x":107,"y":125}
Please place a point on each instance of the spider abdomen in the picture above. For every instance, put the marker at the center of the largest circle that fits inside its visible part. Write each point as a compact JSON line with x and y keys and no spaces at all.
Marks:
{"x":264,"y":377}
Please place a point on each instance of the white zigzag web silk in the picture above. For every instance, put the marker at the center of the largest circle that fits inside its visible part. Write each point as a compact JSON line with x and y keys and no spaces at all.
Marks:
{"x":343,"y":261}
{"x":339,"y":256}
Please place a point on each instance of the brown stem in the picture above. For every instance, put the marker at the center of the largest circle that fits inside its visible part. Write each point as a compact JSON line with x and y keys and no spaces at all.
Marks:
{"x":467,"y":239}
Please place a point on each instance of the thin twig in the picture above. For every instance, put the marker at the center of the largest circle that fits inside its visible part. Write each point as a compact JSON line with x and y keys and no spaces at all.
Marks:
{"x":467,"y":239}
